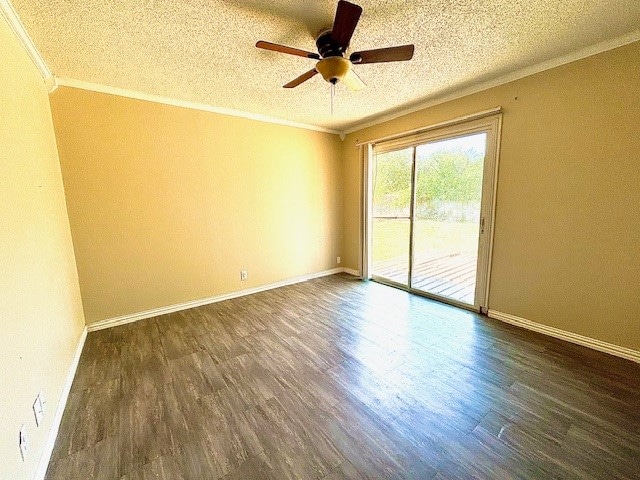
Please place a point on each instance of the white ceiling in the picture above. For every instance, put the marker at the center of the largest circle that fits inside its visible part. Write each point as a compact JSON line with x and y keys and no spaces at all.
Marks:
{"x":203,"y":50}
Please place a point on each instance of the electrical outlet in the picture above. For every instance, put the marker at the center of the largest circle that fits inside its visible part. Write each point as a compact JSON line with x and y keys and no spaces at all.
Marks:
{"x":243,"y":275}
{"x":23,"y":442}
{"x":338,"y":260}
{"x":38,"y":408}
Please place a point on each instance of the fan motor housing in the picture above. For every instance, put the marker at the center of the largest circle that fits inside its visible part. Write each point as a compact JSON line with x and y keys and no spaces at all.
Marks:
{"x":327,"y":46}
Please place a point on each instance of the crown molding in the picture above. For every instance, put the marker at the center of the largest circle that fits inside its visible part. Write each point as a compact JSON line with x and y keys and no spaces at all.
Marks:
{"x":122,"y":92}
{"x":11,"y":16}
{"x":52,"y":82}
{"x":510,"y":77}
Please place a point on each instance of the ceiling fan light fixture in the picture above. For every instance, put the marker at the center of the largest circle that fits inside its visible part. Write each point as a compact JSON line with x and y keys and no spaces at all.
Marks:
{"x":332,"y":43}
{"x":333,"y":69}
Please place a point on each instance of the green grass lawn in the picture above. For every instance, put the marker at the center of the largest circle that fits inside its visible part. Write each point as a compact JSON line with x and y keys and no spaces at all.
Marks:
{"x":391,"y":238}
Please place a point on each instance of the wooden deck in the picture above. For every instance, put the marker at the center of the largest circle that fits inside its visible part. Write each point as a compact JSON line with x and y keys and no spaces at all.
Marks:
{"x":451,"y":275}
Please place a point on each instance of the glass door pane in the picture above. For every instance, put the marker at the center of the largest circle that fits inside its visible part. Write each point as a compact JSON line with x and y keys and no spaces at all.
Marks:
{"x":392,"y":215}
{"x":448,"y":193}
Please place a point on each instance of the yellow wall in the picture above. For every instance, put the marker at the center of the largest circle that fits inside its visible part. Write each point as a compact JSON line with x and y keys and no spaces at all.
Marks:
{"x":40,"y":311}
{"x":167,"y":204}
{"x":567,"y":230}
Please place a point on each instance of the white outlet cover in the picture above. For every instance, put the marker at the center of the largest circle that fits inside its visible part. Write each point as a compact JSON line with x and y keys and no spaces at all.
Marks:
{"x":38,"y":409}
{"x":23,"y":442}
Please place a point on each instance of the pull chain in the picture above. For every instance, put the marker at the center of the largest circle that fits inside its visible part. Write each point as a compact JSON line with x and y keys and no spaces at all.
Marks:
{"x":333,"y":94}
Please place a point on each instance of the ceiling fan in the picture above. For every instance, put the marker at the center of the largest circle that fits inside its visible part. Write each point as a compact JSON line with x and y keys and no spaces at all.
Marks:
{"x":332,"y":44}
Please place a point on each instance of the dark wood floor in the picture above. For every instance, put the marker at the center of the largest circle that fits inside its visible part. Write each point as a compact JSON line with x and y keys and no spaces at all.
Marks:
{"x":337,"y":378}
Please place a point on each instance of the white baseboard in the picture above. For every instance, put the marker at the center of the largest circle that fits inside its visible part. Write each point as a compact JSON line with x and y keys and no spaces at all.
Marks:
{"x":45,"y":457}
{"x":599,"y":345}
{"x":134,"y":317}
{"x":351,"y":271}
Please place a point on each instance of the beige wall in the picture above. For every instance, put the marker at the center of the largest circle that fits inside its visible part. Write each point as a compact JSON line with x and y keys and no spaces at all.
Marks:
{"x":167,"y":204}
{"x":567,"y":231}
{"x":40,"y":311}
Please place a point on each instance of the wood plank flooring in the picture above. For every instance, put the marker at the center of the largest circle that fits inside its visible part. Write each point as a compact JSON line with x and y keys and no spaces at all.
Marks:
{"x":340,"y":379}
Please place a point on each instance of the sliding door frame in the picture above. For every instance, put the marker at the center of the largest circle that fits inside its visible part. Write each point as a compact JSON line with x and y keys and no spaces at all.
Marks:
{"x":489,"y":122}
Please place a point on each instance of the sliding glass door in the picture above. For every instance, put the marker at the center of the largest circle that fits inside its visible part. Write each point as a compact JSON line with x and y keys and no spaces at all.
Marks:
{"x":431,"y":203}
{"x":391,"y":225}
{"x":448,"y":192}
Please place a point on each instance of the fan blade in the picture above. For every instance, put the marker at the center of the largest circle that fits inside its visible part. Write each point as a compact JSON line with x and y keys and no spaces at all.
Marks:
{"x":353,"y":81}
{"x":283,"y":49}
{"x":347,"y":16}
{"x":302,"y":78}
{"x":379,"y":55}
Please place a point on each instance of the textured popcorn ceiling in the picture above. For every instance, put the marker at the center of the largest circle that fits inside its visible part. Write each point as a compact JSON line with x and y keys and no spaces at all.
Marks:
{"x":203,"y":50}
